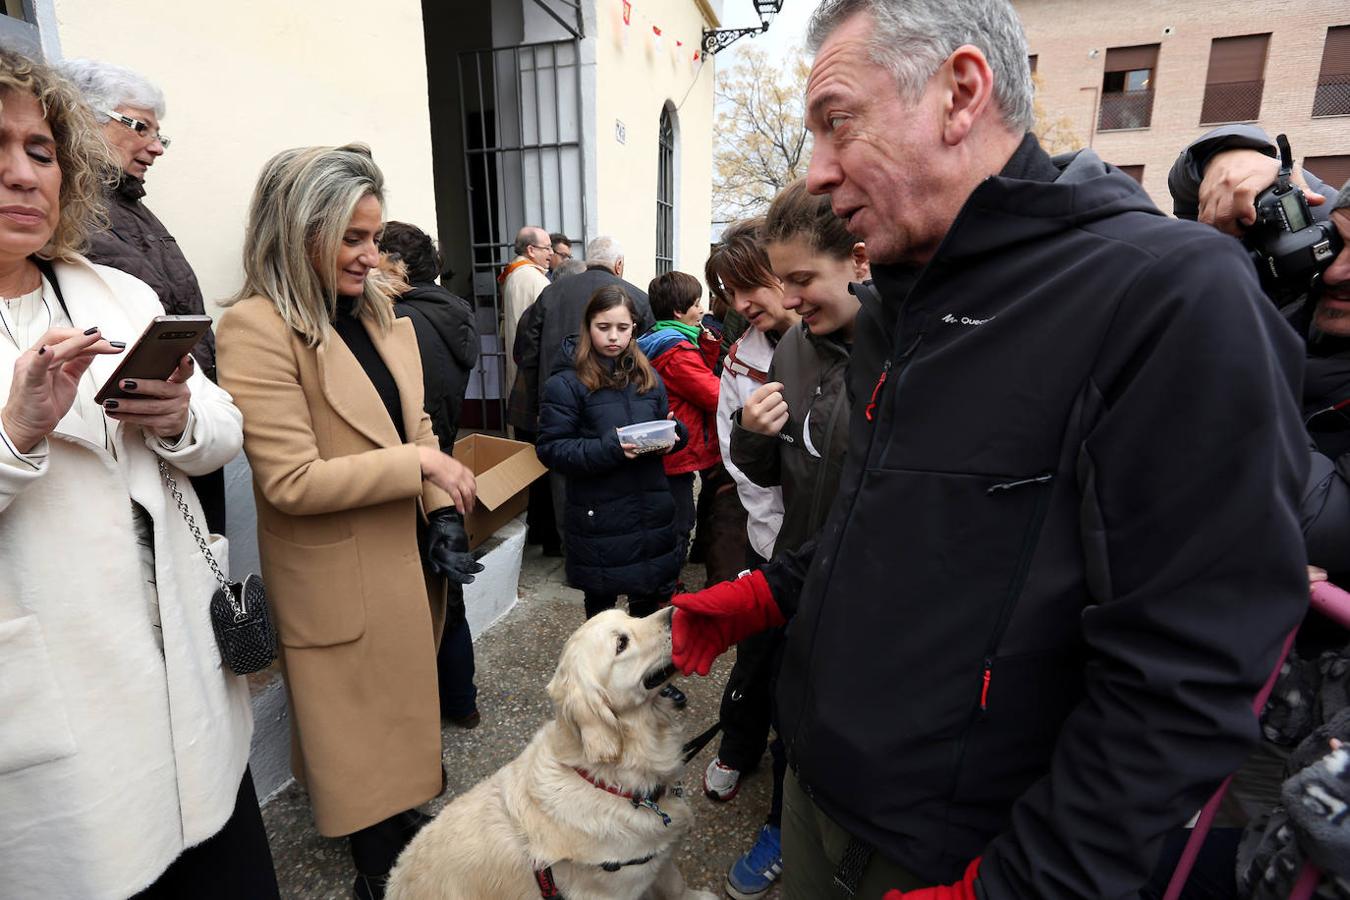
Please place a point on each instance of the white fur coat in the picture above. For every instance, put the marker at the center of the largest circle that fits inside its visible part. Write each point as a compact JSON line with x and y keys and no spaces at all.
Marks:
{"x":113,"y":757}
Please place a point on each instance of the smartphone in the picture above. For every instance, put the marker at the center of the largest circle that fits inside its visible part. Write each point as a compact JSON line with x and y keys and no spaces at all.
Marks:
{"x":156,"y":353}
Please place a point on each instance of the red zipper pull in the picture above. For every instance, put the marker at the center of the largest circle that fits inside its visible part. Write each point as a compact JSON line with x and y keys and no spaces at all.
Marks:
{"x":870,"y":410}
{"x":984,"y":691}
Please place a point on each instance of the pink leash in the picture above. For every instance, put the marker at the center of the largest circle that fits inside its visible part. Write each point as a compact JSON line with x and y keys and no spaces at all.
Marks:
{"x":1333,"y":603}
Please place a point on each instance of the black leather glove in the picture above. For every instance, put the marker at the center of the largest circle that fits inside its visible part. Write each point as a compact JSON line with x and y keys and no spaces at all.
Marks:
{"x":448,"y":547}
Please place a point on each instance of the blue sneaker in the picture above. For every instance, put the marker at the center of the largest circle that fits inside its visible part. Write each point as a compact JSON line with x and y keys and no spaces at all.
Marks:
{"x":756,"y":871}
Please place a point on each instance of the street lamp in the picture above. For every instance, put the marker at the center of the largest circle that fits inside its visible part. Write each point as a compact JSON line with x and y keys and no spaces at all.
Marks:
{"x":721,"y":38}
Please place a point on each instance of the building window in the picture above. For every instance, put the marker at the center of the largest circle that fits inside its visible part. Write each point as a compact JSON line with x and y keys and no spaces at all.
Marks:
{"x":1127,"y":88}
{"x":1334,"y":170}
{"x":665,"y":196}
{"x":1135,"y":172}
{"x":1333,"y":82}
{"x":1031,"y":62}
{"x":1237,"y":71}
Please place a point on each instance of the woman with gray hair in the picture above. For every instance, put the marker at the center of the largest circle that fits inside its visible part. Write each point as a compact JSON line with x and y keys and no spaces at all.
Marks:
{"x":358,"y":508}
{"x":136,"y":241}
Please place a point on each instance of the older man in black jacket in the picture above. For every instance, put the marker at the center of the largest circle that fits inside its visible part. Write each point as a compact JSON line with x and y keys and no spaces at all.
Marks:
{"x":1065,"y":550}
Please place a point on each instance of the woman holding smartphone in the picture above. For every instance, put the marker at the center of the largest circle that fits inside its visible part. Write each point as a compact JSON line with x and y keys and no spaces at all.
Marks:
{"x":358,"y":508}
{"x":123,"y":740}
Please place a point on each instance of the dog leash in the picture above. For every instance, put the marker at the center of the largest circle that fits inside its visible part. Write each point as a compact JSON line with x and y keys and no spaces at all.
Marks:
{"x":695,"y":747}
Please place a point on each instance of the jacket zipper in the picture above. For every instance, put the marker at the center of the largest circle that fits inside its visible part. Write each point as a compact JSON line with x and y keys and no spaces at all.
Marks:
{"x":831,"y":426}
{"x":1029,"y":542}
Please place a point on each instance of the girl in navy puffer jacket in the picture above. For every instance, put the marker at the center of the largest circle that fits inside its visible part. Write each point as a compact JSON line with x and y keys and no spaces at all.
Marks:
{"x":620,"y":516}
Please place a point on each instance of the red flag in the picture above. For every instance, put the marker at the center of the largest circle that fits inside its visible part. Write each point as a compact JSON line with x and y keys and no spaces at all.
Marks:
{"x":627,"y":12}
{"x":656,"y":31}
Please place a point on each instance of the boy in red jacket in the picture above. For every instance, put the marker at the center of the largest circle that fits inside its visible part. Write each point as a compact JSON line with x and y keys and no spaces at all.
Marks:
{"x":684,"y":354}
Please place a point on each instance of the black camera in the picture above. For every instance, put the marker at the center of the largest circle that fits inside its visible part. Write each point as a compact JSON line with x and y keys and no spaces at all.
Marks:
{"x":1290,"y":250}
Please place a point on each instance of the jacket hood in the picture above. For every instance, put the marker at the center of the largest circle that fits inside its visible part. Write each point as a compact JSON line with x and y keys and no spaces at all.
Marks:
{"x":1003,"y":211}
{"x":566,"y":357}
{"x":449,"y":314}
{"x":656,"y":342}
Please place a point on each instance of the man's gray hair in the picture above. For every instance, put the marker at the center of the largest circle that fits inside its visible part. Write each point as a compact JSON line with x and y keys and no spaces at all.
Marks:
{"x":603,"y":251}
{"x":912,"y":38}
{"x":569,"y":267}
{"x":106,"y":86}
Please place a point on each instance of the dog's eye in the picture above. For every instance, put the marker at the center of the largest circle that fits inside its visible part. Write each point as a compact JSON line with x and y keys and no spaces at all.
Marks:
{"x":623,"y":644}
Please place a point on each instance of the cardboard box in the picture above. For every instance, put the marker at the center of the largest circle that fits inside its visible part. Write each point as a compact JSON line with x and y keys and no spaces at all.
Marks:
{"x":504,"y":470}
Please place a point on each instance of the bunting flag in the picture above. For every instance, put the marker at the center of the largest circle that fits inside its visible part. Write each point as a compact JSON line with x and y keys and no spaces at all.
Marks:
{"x":658,"y":35}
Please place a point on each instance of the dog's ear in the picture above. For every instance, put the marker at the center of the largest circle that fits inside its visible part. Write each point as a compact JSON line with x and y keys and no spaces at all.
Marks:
{"x":585,"y":707}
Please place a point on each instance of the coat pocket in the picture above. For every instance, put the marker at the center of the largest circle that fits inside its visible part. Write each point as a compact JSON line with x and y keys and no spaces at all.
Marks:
{"x":316,"y":592}
{"x":33,"y":728}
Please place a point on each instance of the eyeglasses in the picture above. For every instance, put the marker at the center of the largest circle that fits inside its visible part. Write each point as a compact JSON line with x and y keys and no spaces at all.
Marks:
{"x":137,"y":126}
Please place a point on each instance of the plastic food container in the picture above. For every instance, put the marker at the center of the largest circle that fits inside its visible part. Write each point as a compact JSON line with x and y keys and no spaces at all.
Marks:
{"x":649,"y":437}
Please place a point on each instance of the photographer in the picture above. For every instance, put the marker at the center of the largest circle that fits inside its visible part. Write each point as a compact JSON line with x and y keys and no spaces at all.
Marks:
{"x":1217,"y":180}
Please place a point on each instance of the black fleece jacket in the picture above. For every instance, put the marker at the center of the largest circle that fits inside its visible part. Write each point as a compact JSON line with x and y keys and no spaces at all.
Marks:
{"x":1065,"y":549}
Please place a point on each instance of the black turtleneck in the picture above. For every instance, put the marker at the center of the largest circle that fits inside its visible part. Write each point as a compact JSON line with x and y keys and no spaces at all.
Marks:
{"x":355,"y":336}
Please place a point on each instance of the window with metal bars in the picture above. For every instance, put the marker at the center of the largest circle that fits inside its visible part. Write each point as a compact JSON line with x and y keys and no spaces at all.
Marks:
{"x":1127,"y":88}
{"x":665,"y":196}
{"x":1236,"y":79}
{"x":1333,"y":81}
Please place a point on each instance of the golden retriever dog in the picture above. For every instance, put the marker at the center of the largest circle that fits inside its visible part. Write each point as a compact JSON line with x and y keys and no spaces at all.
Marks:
{"x":586,"y":812}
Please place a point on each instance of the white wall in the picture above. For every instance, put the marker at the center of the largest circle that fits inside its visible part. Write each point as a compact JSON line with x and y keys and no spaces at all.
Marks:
{"x":249,"y":78}
{"x":635,"y":78}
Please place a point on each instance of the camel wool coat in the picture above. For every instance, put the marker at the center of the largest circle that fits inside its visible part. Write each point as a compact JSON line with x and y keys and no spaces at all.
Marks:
{"x":358,"y":618}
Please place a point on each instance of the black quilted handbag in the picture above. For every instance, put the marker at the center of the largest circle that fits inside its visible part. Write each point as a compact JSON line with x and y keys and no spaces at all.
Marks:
{"x":239,"y":617}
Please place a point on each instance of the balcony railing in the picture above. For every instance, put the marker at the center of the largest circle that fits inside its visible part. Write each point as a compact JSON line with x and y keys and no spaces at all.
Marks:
{"x":1333,"y":96}
{"x":1236,"y":101}
{"x":1125,"y":109}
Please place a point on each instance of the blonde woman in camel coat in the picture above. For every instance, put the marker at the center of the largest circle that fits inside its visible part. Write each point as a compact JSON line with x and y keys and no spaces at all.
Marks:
{"x":345,"y":467}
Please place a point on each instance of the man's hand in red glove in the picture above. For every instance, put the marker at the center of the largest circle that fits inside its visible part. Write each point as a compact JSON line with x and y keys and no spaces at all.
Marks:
{"x":962,"y":890}
{"x":710,"y":621}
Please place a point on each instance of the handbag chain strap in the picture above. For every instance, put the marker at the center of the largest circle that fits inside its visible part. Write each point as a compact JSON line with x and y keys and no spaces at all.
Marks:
{"x":238,"y":603}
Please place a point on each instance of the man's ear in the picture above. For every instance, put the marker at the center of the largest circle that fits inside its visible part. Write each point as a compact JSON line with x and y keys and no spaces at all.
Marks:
{"x":862,"y":270}
{"x":968,"y":85}
{"x":618,"y":268}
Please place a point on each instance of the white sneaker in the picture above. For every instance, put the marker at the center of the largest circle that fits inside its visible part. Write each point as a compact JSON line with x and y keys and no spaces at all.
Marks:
{"x":721,"y":782}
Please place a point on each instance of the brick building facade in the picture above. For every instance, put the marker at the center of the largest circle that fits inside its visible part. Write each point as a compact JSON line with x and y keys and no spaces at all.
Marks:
{"x":1139,"y":81}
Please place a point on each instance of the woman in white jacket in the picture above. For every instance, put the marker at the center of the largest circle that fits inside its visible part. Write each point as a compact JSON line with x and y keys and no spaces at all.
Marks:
{"x":123,"y":740}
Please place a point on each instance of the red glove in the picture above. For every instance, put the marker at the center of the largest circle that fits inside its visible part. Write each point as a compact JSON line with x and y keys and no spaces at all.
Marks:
{"x":962,"y":890}
{"x":710,"y":621}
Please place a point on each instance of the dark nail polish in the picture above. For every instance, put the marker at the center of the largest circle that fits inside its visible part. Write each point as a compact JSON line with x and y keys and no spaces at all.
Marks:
{"x":89,"y":331}
{"x":120,"y":345}
{"x":41,"y":350}
{"x":110,"y":404}
{"x":128,"y":385}
{"x":191,"y":362}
